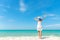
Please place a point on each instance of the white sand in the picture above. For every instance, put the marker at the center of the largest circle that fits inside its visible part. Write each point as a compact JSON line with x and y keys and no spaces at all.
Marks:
{"x":30,"y":38}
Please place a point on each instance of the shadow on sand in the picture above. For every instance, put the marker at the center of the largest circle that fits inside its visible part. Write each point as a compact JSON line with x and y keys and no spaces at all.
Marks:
{"x":44,"y":37}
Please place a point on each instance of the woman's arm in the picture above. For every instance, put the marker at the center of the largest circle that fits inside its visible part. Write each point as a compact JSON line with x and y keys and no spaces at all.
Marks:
{"x":36,"y":19}
{"x":44,"y":17}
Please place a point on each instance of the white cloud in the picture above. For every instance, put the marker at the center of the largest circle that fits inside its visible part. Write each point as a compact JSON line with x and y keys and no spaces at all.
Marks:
{"x":55,"y":18}
{"x":22,"y":6}
{"x":54,"y":25}
{"x":49,"y":15}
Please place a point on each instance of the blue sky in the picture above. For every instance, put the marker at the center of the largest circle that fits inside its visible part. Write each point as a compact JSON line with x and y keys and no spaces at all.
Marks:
{"x":20,"y":14}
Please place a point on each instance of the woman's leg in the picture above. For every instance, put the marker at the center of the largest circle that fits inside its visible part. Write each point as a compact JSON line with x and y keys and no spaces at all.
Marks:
{"x":40,"y":34}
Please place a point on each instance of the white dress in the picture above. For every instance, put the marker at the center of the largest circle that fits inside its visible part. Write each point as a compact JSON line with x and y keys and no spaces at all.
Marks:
{"x":39,"y":26}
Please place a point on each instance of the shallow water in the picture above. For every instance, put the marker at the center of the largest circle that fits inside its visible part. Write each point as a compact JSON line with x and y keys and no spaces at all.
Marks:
{"x":28,"y":32}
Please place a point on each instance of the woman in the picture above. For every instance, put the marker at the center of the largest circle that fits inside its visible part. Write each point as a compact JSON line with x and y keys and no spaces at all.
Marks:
{"x":39,"y":26}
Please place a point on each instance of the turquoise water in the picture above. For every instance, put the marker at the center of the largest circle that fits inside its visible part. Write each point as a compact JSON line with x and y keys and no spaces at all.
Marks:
{"x":28,"y":32}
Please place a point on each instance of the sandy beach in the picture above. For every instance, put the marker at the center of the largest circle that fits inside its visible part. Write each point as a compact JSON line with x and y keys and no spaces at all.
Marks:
{"x":30,"y":38}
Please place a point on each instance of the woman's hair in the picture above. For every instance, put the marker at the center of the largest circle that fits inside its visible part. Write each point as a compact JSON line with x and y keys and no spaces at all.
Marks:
{"x":40,"y":19}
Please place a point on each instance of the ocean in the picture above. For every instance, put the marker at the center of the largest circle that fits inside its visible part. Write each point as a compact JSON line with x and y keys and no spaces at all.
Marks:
{"x":28,"y":33}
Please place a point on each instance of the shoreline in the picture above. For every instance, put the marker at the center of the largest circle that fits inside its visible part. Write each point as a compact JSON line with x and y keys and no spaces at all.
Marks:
{"x":30,"y":38}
